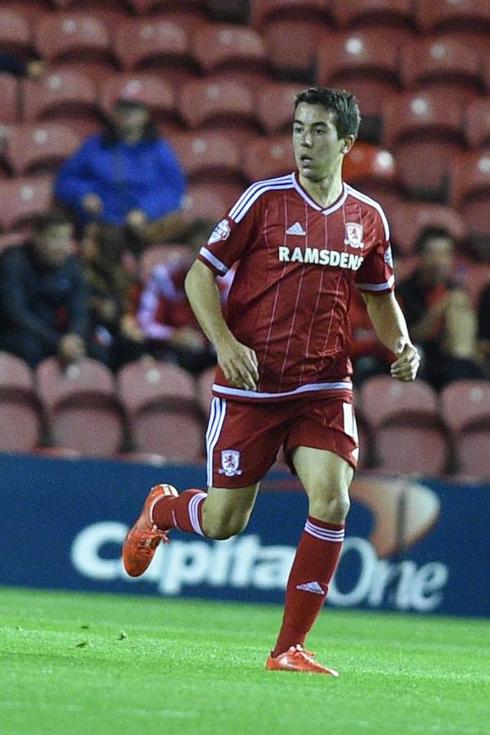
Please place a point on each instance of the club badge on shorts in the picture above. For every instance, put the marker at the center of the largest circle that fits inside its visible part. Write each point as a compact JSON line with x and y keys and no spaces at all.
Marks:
{"x":353,"y":235}
{"x":230,"y":463}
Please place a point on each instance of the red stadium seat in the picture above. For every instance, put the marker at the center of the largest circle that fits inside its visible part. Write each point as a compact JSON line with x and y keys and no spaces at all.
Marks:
{"x":72,"y":35}
{"x":22,"y":199}
{"x":153,"y":43}
{"x":442,"y":15}
{"x":209,"y":155}
{"x":477,"y":123}
{"x":82,"y":409}
{"x":424,"y":132}
{"x":202,"y":201}
{"x":470,"y":193}
{"x":268,"y":157}
{"x":445,"y":64}
{"x":410,"y":219}
{"x":64,"y":95}
{"x":39,"y":148}
{"x":20,"y":414}
{"x":220,"y":104}
{"x":31,"y":10}
{"x":164,"y":416}
{"x":409,"y":434}
{"x":371,"y":168}
{"x":157,"y":93}
{"x":387,"y":15}
{"x":15,"y":32}
{"x":275,"y":105}
{"x":157,"y":254}
{"x":148,"y":7}
{"x":465,"y":407}
{"x":362,"y":63}
{"x":9,"y":94}
{"x":111,"y":14}
{"x":280,"y":21}
{"x":221,"y":48}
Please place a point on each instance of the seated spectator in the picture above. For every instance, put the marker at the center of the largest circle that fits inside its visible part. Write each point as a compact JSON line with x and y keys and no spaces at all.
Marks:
{"x":484,"y":327}
{"x":18,"y":67}
{"x":439,"y":314}
{"x":167,"y":320}
{"x":116,"y":337}
{"x":126,"y":176}
{"x":43,"y":295}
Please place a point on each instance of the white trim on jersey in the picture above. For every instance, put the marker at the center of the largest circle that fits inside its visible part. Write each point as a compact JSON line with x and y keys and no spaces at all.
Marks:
{"x":377,"y":286}
{"x":250,"y":196}
{"x":217,"y":415}
{"x":328,"y":210}
{"x":343,"y":385}
{"x":364,"y":198}
{"x":208,"y":255}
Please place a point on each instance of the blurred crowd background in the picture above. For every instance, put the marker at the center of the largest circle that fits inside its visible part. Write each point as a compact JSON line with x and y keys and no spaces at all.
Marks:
{"x":129,"y":127}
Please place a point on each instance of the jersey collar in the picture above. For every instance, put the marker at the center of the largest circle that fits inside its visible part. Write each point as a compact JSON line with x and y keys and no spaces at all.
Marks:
{"x":327,"y":210}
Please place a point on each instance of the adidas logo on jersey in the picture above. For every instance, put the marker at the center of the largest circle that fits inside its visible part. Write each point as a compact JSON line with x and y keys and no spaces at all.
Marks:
{"x":311,"y":587}
{"x":296,"y":229}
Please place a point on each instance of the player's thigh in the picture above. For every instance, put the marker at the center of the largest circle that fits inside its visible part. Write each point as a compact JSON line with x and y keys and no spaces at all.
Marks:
{"x":227,"y":510}
{"x":326,"y":478}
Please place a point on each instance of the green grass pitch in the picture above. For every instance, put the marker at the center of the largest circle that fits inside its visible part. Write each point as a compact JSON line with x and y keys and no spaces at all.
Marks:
{"x":86,"y":664}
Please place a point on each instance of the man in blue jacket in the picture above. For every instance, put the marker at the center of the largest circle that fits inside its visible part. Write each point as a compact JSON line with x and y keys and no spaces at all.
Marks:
{"x":126,"y":176}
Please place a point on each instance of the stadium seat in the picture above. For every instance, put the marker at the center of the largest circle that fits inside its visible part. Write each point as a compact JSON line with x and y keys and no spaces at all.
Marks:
{"x":220,"y":104}
{"x":81,"y":406}
{"x":445,"y":64}
{"x":221,"y":48}
{"x":159,"y":44}
{"x":20,"y":413}
{"x":162,"y":409}
{"x":9,"y":94}
{"x":386,"y":16}
{"x":409,"y":434}
{"x":476,"y":278}
{"x":209,"y":155}
{"x":39,"y":147}
{"x":275,"y":105}
{"x":477,"y":123}
{"x":367,"y":66}
{"x":64,"y":95}
{"x":470,"y":193}
{"x":203,"y":202}
{"x":409,"y":219}
{"x":31,"y":10}
{"x":22,"y":199}
{"x":424,"y":132}
{"x":15,"y":237}
{"x":156,"y":254}
{"x":280,"y":21}
{"x":268,"y":157}
{"x":69,"y":35}
{"x":148,"y":7}
{"x":467,"y":20}
{"x":15,"y":33}
{"x":157,"y":93}
{"x":465,"y":406}
{"x":111,"y":14}
{"x":371,"y":169}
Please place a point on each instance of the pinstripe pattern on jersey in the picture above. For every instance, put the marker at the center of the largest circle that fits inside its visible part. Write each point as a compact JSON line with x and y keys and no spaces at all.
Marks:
{"x":364,"y":198}
{"x":250,"y":196}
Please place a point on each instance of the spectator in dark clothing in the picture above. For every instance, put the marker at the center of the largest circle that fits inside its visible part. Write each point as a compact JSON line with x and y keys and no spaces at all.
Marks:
{"x":115,"y":335}
{"x":439,"y":313}
{"x":18,"y":67}
{"x":126,"y":176}
{"x":43,"y":295}
{"x":484,"y":327}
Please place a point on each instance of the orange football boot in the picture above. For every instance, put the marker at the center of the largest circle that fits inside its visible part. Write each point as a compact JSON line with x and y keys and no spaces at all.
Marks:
{"x":297,"y":659}
{"x":143,"y":539}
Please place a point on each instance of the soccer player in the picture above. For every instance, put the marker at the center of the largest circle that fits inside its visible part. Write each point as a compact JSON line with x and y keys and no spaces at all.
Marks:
{"x":302,"y":242}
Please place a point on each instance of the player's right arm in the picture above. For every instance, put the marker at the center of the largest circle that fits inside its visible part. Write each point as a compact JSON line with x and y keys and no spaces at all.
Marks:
{"x":238,"y":362}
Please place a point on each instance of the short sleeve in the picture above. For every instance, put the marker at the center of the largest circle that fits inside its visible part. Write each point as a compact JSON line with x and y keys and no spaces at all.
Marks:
{"x":230,"y":238}
{"x":376,"y":274}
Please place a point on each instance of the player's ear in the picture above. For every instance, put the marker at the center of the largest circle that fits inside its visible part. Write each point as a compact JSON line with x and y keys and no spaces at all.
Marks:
{"x":347,"y":144}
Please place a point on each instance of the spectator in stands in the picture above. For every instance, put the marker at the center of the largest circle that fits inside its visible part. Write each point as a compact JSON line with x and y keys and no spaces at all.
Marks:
{"x":43,"y":295}
{"x":167,"y":320}
{"x":115,"y":335}
{"x":126,"y":176}
{"x":13,"y":64}
{"x":439,"y":313}
{"x":484,"y":327}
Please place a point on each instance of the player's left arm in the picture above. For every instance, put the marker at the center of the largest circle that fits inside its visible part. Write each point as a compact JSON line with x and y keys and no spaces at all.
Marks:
{"x":390,"y":326}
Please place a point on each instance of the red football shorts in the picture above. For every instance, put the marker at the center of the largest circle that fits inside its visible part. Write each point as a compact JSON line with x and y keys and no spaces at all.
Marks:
{"x":243,"y":439}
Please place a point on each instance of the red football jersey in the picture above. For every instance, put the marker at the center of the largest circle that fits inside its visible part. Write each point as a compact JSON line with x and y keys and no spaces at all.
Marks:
{"x":297,"y":263}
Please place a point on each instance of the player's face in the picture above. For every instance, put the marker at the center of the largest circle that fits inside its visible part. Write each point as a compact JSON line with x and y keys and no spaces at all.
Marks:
{"x":317,"y":147}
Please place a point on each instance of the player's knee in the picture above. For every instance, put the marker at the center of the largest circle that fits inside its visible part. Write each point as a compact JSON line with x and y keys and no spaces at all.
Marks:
{"x":222,"y":529}
{"x":332,"y":507}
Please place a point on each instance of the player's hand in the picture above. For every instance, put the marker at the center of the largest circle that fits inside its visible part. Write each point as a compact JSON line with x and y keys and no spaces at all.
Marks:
{"x":407,"y":365}
{"x":239,"y":364}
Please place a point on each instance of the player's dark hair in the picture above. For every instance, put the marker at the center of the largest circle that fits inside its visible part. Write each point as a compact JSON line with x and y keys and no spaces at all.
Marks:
{"x":55,"y":218}
{"x":428,"y":234}
{"x":342,"y":103}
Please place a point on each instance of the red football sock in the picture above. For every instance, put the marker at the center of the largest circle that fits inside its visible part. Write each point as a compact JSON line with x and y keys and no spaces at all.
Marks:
{"x":183,"y":512}
{"x":313,"y":567}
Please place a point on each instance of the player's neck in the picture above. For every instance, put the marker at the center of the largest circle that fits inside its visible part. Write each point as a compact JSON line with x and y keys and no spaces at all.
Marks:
{"x":326,"y":191}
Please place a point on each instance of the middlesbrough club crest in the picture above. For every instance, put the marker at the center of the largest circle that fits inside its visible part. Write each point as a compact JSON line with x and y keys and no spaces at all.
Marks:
{"x":353,"y":235}
{"x":230,"y":463}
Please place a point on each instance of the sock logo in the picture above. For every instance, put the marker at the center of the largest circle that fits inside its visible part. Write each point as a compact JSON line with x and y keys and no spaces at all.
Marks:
{"x":314,"y":587}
